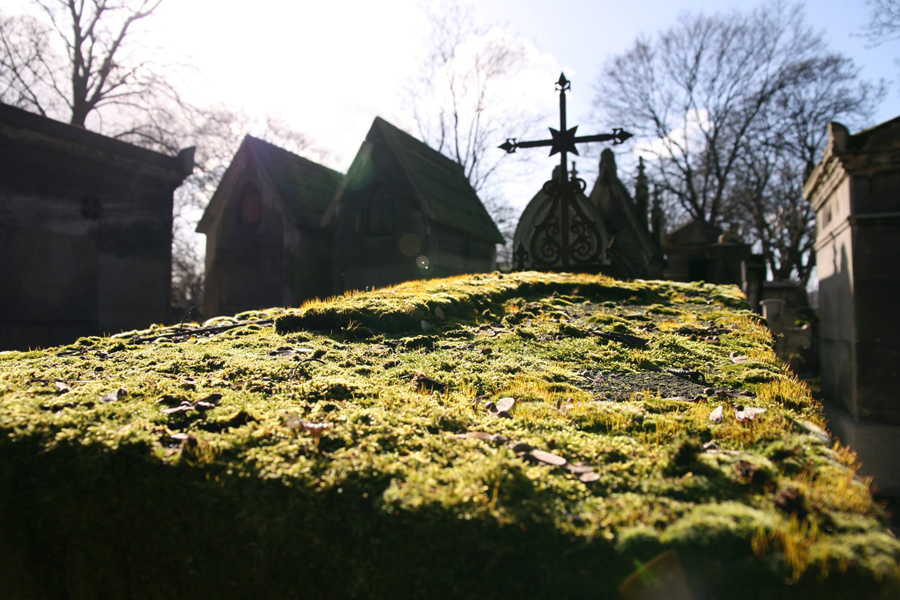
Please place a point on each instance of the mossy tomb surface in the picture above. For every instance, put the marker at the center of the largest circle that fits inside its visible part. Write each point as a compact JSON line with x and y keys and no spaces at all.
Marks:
{"x":523,"y":436}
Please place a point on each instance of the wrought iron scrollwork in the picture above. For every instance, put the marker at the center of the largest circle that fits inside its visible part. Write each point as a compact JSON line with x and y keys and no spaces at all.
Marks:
{"x":564,"y":235}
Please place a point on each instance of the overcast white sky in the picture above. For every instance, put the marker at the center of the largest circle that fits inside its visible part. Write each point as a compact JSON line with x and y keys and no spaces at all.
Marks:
{"x":328,"y":68}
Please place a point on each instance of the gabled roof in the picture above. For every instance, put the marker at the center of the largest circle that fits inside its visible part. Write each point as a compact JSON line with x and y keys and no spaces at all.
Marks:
{"x":440,"y":183}
{"x":305,"y":187}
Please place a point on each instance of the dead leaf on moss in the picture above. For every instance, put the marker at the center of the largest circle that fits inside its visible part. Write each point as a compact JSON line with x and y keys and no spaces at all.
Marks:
{"x":548,"y":458}
{"x":212,"y":398}
{"x":589,"y":477}
{"x":61,"y":386}
{"x":501,"y":408}
{"x":518,"y":447}
{"x":749,"y":413}
{"x":579,"y":468}
{"x":181,"y":408}
{"x":423,"y":382}
{"x":494,"y":438}
{"x":718,"y":415}
{"x":113,"y":396}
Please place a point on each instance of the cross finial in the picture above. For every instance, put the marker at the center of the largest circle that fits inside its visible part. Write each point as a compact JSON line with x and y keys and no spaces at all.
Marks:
{"x":565,"y":236}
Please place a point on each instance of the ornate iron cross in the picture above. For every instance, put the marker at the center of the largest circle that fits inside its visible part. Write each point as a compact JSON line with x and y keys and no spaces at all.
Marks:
{"x":565,"y":236}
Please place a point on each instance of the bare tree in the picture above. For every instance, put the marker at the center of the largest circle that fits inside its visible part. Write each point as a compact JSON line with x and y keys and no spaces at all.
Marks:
{"x":884,"y":23}
{"x":733,"y":110}
{"x":463,"y":103}
{"x":103,"y":75}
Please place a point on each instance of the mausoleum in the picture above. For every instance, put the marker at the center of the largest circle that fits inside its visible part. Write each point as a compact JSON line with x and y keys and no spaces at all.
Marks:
{"x":855,"y":192}
{"x":85,"y":231}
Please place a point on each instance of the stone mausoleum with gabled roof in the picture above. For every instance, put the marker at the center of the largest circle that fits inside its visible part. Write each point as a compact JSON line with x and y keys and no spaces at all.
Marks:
{"x":405,"y":211}
{"x":282,"y":229}
{"x":264,"y":242}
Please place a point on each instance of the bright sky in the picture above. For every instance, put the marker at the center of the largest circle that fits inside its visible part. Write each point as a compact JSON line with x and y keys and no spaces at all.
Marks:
{"x":328,"y":68}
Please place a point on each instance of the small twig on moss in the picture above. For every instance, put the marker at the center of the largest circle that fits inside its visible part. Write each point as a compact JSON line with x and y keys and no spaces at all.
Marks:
{"x":305,"y":360}
{"x":213,"y":329}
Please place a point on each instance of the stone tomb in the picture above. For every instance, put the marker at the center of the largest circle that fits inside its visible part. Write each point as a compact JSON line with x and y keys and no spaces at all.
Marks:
{"x":85,"y":232}
{"x":281,"y":229}
{"x":855,"y":192}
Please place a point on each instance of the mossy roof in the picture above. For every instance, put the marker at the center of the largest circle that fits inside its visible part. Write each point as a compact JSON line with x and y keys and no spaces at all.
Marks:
{"x":366,"y":446}
{"x":305,"y":187}
{"x":440,"y":183}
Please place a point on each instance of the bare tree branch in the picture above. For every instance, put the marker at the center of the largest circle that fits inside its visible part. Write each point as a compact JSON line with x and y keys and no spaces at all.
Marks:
{"x":733,"y":110}
{"x":884,"y":24}
{"x":461,"y":102}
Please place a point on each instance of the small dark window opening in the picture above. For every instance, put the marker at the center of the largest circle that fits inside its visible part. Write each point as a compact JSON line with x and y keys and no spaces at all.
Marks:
{"x":91,"y":208}
{"x":251,"y":205}
{"x":380,"y":213}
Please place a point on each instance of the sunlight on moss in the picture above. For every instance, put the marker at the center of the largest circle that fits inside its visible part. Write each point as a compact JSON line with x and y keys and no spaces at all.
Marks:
{"x":381,"y":407}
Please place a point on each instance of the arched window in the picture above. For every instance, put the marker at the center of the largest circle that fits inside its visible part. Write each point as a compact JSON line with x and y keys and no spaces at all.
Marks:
{"x":380,"y":213}
{"x":250,"y":205}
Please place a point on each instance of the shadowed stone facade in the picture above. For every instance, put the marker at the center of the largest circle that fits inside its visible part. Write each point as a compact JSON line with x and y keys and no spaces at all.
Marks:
{"x":406,"y":211}
{"x":282,"y":229}
{"x":630,"y":249}
{"x":634,"y":251}
{"x":700,"y":251}
{"x":85,"y":232}
{"x":855,"y":192}
{"x":264,"y":242}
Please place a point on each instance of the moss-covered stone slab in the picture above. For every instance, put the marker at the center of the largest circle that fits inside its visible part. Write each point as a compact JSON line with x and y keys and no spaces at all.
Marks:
{"x":523,"y":436}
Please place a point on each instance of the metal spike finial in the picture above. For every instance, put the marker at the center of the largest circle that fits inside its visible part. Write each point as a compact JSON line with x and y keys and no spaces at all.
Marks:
{"x":509,"y":145}
{"x":563,"y":84}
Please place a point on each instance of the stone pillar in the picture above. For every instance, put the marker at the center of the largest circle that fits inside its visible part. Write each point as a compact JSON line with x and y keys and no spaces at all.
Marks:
{"x":753,"y":274}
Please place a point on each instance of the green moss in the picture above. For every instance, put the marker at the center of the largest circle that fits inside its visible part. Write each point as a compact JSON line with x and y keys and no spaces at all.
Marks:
{"x":207,"y":462}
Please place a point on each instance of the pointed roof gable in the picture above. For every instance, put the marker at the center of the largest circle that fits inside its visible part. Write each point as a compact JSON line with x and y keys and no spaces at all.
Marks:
{"x":609,"y":189}
{"x":306,"y":187}
{"x":440,"y":184}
